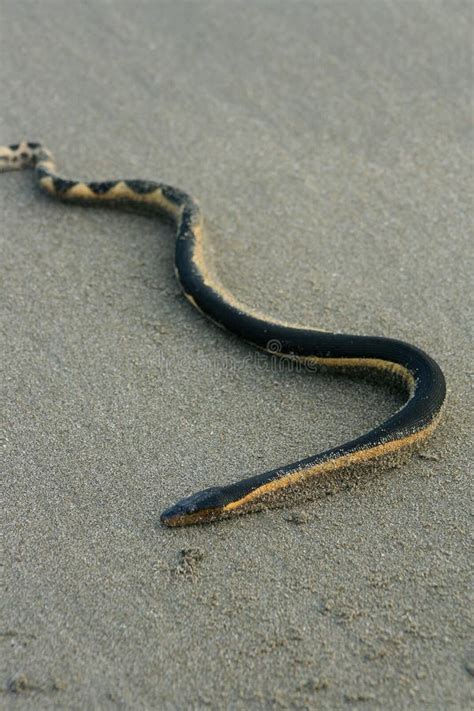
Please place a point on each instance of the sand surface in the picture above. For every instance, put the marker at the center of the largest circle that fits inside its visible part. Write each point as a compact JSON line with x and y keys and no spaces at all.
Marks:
{"x":329,"y":144}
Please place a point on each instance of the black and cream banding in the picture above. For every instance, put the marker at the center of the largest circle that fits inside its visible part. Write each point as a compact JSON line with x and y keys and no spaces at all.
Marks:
{"x":422,"y":377}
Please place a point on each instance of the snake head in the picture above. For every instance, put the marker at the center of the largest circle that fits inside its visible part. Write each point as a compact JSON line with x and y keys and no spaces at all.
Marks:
{"x":198,"y":508}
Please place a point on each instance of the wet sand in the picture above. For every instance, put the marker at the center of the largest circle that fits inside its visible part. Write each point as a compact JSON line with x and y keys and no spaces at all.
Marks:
{"x":329,"y":145}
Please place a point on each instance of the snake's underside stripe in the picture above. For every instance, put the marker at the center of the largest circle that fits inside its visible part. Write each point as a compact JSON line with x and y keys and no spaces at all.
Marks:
{"x":418,"y":373}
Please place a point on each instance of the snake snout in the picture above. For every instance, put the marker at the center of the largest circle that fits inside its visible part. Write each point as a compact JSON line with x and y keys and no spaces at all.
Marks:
{"x":193,"y":508}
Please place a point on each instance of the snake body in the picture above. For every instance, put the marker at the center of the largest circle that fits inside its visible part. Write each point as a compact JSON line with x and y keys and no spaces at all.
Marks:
{"x":418,"y":372}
